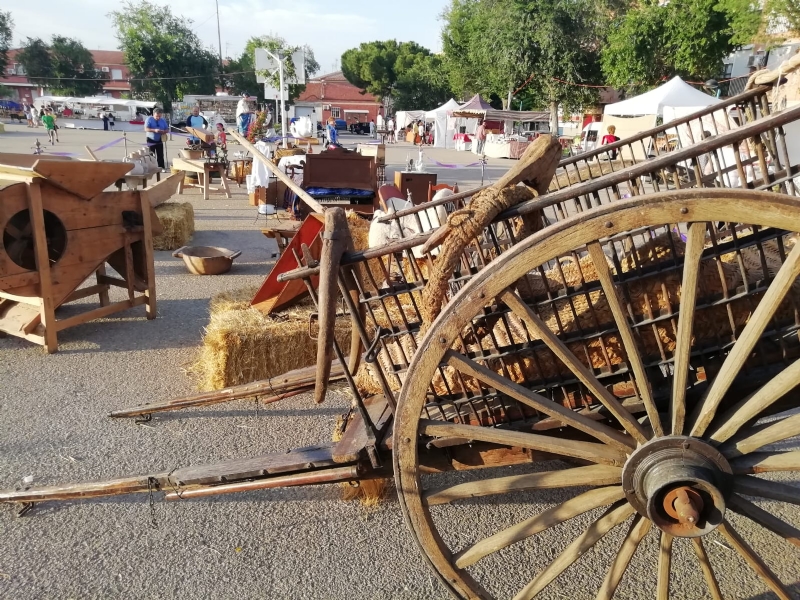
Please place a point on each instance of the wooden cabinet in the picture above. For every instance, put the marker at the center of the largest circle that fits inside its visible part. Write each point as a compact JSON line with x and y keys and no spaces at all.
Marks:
{"x":416,"y":183}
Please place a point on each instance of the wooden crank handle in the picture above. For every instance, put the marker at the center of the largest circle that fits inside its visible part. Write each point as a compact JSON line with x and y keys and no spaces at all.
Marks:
{"x":334,"y":244}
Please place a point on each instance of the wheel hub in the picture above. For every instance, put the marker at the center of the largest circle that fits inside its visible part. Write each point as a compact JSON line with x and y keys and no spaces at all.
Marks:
{"x":680,"y":483}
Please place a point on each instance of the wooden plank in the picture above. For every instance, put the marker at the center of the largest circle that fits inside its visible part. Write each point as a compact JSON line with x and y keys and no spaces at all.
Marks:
{"x":776,"y":432}
{"x":48,"y":305}
{"x":26,"y":278}
{"x":84,"y":179}
{"x":664,"y":566}
{"x":288,"y":181}
{"x":764,"y":488}
{"x":766,"y":519}
{"x":151,"y":226}
{"x":580,"y":476}
{"x":355,"y":438}
{"x":27,"y":160}
{"x":163,"y":190}
{"x":683,"y":339}
{"x":596,"y":453}
{"x":301,"y":459}
{"x":708,"y":571}
{"x":767,"y":462}
{"x":639,"y":528}
{"x":99,"y":313}
{"x":626,"y":333}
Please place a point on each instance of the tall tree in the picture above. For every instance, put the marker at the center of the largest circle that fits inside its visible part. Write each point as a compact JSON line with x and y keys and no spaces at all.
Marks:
{"x":6,"y":26}
{"x":422,"y":86}
{"x":375,"y":67}
{"x":548,"y":46}
{"x":242,"y":75}
{"x":767,"y":21}
{"x":65,"y":66}
{"x":165,"y":57}
{"x":652,"y":42}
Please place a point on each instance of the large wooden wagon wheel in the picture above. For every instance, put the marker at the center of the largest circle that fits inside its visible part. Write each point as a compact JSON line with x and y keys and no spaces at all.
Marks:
{"x":673,"y":457}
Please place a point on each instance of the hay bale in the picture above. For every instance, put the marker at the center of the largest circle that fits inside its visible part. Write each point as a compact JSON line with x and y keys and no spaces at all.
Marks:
{"x":369,"y":492}
{"x":177,"y":220}
{"x":241,"y":344}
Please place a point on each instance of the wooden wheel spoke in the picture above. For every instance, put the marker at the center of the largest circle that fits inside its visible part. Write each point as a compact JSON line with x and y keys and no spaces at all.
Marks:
{"x":765,"y":518}
{"x":596,"y":453}
{"x":776,"y":432}
{"x":626,"y":333}
{"x":583,"y":373}
{"x":602,"y":432}
{"x":591,"y":475}
{"x":741,"y":350}
{"x":683,"y":340}
{"x":754,"y":560}
{"x":639,"y":528}
{"x":610,"y":519}
{"x":763,"y":488}
{"x":664,"y":566}
{"x":708,"y":571}
{"x":757,"y":402}
{"x":549,"y":518}
{"x":767,"y":462}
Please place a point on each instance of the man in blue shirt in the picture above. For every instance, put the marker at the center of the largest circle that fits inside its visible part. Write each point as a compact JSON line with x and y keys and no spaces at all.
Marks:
{"x":197,"y":121}
{"x":156,"y":126}
{"x":333,"y":135}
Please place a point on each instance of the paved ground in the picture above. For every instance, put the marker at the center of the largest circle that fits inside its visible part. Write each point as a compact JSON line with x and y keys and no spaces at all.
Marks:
{"x":277,"y":544}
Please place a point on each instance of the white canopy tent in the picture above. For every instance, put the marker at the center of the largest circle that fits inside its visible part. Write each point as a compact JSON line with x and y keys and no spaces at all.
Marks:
{"x":404,"y":118}
{"x":675,"y":93}
{"x":441,"y":117}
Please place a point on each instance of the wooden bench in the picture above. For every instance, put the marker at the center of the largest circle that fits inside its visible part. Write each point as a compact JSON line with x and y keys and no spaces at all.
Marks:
{"x":203,"y":170}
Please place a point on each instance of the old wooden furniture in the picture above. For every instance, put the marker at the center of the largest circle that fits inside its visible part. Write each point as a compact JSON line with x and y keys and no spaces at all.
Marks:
{"x":416,"y":183}
{"x":203,"y":168}
{"x":340,"y":177}
{"x":635,"y":337}
{"x":60,"y":228}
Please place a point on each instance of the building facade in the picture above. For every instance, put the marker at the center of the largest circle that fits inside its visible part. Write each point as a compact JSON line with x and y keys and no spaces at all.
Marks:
{"x":738,"y":66}
{"x":110,"y":62}
{"x":333,"y":96}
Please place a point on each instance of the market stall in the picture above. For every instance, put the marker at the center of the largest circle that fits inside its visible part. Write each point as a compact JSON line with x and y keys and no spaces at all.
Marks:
{"x":443,"y":123}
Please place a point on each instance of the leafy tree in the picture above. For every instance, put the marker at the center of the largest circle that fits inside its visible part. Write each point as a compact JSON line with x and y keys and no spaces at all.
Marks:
{"x":652,"y":42}
{"x":6,"y":25}
{"x":242,"y":75}
{"x":5,"y":91}
{"x":769,"y":21}
{"x":423,"y":86}
{"x":165,"y":57}
{"x":65,"y":67}
{"x":495,"y":46}
{"x":375,"y":67}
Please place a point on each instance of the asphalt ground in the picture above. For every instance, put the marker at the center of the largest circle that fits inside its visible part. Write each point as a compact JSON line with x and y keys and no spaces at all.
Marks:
{"x":274,"y":544}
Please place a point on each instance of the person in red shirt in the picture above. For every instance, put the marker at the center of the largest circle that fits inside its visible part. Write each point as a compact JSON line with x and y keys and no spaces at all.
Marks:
{"x":610,"y":138}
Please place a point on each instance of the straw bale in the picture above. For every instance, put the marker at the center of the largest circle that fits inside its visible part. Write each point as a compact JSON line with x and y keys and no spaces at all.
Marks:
{"x":359,"y":231}
{"x":241,"y":344}
{"x":178,"y":221}
{"x":369,"y":492}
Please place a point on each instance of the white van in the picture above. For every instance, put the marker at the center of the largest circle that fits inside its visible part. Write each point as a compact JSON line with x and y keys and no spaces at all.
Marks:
{"x":590,"y":138}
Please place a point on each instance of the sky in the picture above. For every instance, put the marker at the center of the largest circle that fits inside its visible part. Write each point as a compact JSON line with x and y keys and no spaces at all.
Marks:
{"x":329,"y":28}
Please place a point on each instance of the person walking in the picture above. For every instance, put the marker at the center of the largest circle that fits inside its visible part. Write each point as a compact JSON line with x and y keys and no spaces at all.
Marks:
{"x":111,"y":121}
{"x":49,"y":123}
{"x":390,"y":131}
{"x":156,"y":126}
{"x":105,"y":120}
{"x":26,"y":108}
{"x":35,"y":115}
{"x":372,"y":129}
{"x":480,"y":137}
{"x":333,"y":135}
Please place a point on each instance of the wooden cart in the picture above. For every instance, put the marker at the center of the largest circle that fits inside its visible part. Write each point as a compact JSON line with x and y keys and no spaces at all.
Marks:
{"x":633,"y":341}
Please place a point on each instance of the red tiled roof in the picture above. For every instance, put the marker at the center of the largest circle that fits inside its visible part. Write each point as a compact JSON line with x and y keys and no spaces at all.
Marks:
{"x":332,"y":88}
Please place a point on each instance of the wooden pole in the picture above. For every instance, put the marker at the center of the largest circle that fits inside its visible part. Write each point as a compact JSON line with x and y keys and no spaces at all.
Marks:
{"x":273,"y":168}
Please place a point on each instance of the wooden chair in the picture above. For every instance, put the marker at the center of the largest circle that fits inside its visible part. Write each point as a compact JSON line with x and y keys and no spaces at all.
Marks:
{"x":432,"y":189}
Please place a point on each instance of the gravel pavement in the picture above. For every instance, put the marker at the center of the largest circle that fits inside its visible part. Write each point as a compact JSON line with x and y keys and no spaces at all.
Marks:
{"x":274,"y":544}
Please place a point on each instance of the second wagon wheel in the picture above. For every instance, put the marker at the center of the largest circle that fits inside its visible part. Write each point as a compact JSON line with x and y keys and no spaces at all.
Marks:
{"x":634,"y":348}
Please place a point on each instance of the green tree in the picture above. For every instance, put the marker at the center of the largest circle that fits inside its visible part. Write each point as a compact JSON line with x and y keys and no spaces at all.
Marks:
{"x":496,"y":46}
{"x":165,"y":57}
{"x":65,"y":66}
{"x":652,"y":42}
{"x":242,"y":75}
{"x":769,"y":21}
{"x":375,"y":67}
{"x":422,"y":86}
{"x":6,"y":26}
{"x":5,"y":91}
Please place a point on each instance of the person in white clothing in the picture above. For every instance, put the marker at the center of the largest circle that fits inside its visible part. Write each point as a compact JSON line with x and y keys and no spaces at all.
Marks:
{"x":243,"y":113}
{"x":390,"y":129}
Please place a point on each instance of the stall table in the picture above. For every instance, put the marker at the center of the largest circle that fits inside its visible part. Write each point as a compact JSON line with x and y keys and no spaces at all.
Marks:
{"x":463,"y":142}
{"x":203,"y":170}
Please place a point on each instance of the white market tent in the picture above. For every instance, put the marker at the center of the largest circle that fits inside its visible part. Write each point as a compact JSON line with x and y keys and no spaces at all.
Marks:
{"x":404,"y":118}
{"x":440,"y":117}
{"x":675,"y":93}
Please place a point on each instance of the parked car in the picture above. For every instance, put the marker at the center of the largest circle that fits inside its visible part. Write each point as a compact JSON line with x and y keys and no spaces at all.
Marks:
{"x":359,"y":128}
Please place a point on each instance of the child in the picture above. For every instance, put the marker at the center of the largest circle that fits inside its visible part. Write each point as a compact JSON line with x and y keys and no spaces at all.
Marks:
{"x":49,"y":123}
{"x":222,"y":138}
{"x":610,"y":138}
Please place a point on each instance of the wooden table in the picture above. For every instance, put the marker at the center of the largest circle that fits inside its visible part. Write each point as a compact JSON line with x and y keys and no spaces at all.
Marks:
{"x":239,"y":175}
{"x":203,"y":170}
